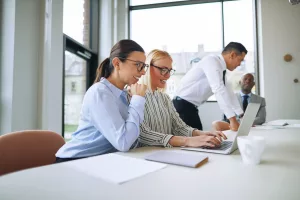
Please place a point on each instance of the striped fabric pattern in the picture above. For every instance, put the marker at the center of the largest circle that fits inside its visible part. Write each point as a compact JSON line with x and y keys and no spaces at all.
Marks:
{"x":161,"y":121}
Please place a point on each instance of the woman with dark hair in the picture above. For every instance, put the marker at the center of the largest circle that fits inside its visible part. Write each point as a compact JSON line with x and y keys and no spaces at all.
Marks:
{"x":108,"y":122}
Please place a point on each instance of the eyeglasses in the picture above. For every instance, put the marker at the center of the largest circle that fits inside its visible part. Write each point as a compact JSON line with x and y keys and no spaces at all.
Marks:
{"x":165,"y":71}
{"x":140,"y":65}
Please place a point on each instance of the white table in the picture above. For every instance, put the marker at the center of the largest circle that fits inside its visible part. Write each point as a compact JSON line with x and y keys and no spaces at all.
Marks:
{"x":282,"y":121}
{"x":223,"y":177}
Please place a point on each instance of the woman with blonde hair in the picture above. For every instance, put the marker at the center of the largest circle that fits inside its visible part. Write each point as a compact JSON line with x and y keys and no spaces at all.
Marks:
{"x":162,"y":125}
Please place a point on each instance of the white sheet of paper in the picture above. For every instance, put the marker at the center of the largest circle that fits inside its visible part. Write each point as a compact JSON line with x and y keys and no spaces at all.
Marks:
{"x":281,"y":122}
{"x":269,"y":127}
{"x":276,"y":123}
{"x":115,"y":168}
{"x":293,"y":126}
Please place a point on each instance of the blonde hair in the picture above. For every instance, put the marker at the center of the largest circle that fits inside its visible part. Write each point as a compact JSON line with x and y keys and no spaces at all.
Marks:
{"x":153,"y":56}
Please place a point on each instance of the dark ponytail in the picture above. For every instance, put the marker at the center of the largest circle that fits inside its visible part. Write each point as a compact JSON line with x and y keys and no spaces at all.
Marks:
{"x":121,"y":50}
{"x":103,"y":70}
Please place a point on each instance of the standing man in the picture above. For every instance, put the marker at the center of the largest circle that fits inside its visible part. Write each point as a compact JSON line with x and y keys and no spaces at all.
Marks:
{"x":208,"y":78}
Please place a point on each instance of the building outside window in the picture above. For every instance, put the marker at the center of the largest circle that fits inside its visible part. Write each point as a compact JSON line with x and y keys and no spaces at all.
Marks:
{"x":80,"y":61}
{"x":189,"y":30}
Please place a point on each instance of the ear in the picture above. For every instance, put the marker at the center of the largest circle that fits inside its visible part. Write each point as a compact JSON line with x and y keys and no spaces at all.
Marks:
{"x":232,"y":54}
{"x":240,"y":83}
{"x":116,"y":63}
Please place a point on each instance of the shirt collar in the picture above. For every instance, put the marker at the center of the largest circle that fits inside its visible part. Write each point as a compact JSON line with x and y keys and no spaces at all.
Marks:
{"x":222,"y":62}
{"x":116,"y":91}
{"x":242,"y":94}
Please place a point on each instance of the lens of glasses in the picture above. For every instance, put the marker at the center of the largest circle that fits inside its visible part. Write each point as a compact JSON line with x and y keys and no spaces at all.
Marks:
{"x":142,"y":66}
{"x":166,"y":71}
{"x":172,"y":72}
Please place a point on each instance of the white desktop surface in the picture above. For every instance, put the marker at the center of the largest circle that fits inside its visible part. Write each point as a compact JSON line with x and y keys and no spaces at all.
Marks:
{"x":223,"y":177}
{"x":282,"y":121}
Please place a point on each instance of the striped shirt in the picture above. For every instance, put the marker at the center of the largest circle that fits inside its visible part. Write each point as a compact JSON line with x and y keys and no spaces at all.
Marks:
{"x":161,"y":121}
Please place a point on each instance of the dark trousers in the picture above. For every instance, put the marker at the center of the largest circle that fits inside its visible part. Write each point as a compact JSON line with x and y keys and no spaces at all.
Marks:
{"x":188,"y":112}
{"x":59,"y":160}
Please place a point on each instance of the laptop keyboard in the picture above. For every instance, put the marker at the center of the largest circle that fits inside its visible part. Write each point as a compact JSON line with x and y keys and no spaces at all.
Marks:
{"x":224,"y":145}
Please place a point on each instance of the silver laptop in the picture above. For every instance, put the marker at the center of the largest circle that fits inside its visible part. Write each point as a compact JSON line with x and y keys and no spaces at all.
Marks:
{"x":227,"y":146}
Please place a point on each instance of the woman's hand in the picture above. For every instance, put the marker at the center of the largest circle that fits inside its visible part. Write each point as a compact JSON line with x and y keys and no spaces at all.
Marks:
{"x":137,"y":89}
{"x":218,"y":134}
{"x":204,"y":140}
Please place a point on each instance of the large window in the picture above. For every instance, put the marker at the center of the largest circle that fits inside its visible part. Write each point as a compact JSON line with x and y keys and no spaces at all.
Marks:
{"x":76,"y":20}
{"x":189,"y":30}
{"x":143,"y":2}
{"x":239,"y":27}
{"x":80,"y":58}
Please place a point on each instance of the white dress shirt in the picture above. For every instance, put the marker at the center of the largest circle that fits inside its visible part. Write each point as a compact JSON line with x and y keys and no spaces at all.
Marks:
{"x":249,"y":96}
{"x":206,"y":79}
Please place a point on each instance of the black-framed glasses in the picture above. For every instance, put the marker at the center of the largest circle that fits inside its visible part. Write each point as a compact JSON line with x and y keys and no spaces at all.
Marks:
{"x":164,"y":71}
{"x":140,"y":65}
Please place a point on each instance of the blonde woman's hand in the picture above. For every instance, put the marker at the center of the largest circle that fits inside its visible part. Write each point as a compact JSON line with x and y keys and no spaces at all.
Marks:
{"x":218,"y":134}
{"x":204,"y":140}
{"x":138,"y":89}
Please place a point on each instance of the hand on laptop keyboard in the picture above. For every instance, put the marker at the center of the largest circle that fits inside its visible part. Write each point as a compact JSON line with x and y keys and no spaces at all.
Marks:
{"x":224,"y":145}
{"x":219,"y":134}
{"x":204,"y":140}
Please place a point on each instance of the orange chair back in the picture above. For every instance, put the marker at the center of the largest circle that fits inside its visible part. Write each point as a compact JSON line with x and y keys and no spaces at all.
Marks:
{"x":27,"y":149}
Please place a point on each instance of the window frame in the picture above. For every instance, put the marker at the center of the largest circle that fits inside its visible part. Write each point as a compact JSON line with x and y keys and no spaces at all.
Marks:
{"x":193,"y":2}
{"x":89,"y":54}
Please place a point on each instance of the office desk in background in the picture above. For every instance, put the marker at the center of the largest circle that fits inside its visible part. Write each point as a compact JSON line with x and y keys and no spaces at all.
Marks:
{"x":223,"y":177}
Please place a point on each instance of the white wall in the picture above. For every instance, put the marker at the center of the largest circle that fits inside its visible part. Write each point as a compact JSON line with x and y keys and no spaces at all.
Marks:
{"x":51,"y":66}
{"x":7,"y":61}
{"x":279,"y":33}
{"x":113,"y":25}
{"x":18,"y":65}
{"x":24,"y":66}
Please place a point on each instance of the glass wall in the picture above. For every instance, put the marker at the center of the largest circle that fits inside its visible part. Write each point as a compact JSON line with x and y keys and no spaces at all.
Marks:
{"x":80,"y":62}
{"x":190,"y":31}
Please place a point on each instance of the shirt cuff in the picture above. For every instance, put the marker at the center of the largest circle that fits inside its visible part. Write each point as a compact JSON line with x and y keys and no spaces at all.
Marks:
{"x":138,"y":103}
{"x":191,"y":131}
{"x":165,"y":141}
{"x":138,"y":100}
{"x":229,"y":114}
{"x":239,"y":111}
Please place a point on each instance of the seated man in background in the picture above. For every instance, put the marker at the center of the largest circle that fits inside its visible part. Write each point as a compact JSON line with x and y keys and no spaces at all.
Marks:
{"x":245,"y":96}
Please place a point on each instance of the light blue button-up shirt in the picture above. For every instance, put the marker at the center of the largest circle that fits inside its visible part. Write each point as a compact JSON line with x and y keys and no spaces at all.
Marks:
{"x":107,"y":123}
{"x":242,"y":95}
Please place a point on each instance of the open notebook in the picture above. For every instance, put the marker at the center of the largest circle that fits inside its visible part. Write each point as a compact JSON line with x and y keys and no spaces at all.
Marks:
{"x":178,"y":158}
